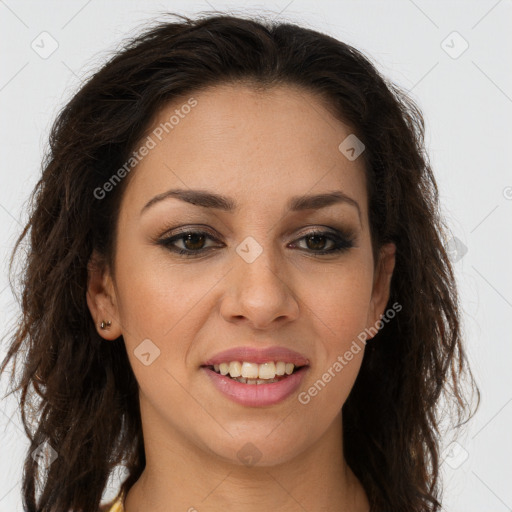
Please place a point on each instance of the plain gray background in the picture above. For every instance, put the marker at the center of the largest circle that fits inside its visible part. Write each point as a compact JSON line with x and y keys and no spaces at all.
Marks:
{"x":453,"y":57}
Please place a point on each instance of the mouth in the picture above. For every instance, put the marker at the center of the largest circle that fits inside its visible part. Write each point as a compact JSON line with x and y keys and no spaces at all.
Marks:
{"x":257,"y":376}
{"x":251,"y":373}
{"x":242,"y":382}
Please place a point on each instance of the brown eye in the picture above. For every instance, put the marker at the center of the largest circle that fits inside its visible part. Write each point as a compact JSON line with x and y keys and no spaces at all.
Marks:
{"x":193,"y":241}
{"x":316,"y":242}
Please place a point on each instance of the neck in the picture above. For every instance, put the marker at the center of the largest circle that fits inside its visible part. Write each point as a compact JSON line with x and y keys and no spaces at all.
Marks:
{"x":183,"y":477}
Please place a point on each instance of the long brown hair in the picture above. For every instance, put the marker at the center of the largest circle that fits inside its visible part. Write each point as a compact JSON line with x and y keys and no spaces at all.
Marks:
{"x":82,"y":390}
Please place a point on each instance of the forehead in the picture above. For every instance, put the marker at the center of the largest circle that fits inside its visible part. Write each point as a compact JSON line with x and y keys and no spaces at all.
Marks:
{"x":249,"y":144}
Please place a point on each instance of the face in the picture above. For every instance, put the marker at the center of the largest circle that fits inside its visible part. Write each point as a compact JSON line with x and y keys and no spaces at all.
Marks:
{"x":263,"y":270}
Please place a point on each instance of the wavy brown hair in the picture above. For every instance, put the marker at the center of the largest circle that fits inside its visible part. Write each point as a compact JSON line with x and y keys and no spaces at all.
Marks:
{"x":82,"y":391}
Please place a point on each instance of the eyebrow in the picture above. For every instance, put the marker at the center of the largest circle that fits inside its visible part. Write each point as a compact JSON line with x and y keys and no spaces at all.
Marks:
{"x":207,"y":199}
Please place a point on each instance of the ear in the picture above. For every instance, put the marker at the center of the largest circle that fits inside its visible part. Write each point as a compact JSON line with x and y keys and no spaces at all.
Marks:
{"x":381,"y":284}
{"x":101,"y":297}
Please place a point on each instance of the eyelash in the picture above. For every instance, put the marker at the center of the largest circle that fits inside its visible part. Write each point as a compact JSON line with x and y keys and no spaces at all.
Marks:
{"x":343,"y":242}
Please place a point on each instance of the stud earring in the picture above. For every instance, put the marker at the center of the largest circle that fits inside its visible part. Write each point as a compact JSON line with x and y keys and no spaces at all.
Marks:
{"x":105,"y":325}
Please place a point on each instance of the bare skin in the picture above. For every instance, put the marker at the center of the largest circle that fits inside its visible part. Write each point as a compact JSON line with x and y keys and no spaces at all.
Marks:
{"x":258,"y":148}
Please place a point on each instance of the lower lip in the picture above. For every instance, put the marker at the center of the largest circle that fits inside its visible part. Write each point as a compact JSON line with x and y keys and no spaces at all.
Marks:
{"x":256,"y":395}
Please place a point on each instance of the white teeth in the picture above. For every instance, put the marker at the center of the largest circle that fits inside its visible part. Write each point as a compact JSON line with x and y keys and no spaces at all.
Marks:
{"x":249,"y":372}
{"x":267,"y":370}
{"x":255,"y":381}
{"x":235,"y":369}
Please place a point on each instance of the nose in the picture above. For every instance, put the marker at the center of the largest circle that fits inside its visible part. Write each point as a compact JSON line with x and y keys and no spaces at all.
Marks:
{"x":258,"y":295}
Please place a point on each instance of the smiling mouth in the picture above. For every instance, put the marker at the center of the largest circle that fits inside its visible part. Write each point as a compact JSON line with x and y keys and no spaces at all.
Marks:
{"x":253,"y":373}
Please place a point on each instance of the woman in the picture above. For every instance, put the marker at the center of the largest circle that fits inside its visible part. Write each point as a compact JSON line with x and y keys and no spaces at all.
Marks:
{"x":236,"y":285}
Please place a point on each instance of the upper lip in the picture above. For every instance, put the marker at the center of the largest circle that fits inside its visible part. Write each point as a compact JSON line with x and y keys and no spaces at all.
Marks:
{"x":258,"y":355}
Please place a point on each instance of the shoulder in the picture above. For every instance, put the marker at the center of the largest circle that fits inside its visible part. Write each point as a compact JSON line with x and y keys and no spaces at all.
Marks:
{"x":116,"y":505}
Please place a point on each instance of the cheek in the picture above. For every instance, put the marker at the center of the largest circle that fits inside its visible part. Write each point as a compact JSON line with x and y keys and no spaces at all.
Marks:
{"x":342,"y":306}
{"x":340,"y":316}
{"x":155,"y":292}
{"x":163,"y":302}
